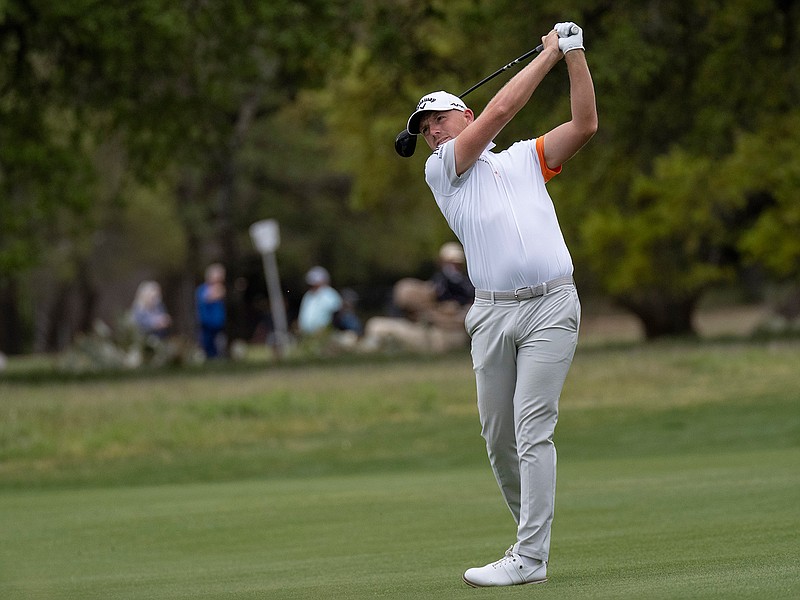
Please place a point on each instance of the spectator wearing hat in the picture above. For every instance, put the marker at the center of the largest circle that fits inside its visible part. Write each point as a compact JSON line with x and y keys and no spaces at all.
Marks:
{"x":433,"y":311}
{"x":451,"y":282}
{"x":319,"y":304}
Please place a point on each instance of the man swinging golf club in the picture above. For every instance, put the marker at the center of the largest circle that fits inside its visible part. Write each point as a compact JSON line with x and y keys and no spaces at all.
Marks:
{"x":524,"y":322}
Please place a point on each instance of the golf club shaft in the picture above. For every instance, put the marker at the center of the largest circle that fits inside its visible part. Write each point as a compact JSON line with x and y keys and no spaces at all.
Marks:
{"x":529,"y":53}
{"x":405,"y":142}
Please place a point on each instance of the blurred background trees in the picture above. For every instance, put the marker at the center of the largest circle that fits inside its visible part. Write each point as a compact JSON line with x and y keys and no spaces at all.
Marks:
{"x":140,"y":139}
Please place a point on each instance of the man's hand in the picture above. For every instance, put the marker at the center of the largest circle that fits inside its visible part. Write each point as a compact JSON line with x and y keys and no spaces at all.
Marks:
{"x":568,"y":38}
{"x":551,"y":40}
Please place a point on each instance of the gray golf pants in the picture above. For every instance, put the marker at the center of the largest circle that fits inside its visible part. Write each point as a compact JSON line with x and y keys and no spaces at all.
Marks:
{"x":521,"y":352}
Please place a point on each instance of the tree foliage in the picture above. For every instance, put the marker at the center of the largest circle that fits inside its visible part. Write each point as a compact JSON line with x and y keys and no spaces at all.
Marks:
{"x":206,"y":116}
{"x":170,"y":87}
{"x":678,"y":220}
{"x":765,"y":168}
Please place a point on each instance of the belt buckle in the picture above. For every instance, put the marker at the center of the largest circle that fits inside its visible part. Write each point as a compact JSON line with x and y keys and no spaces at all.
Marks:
{"x":518,"y":291}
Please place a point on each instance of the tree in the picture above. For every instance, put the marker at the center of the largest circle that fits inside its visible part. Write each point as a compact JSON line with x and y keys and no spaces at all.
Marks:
{"x":171,"y":84}
{"x":667,"y":224}
{"x":73,"y":84}
{"x":662,"y":247}
{"x":765,"y":169}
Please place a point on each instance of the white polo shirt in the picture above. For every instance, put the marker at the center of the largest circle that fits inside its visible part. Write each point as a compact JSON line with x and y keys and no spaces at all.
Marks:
{"x":502,"y":214}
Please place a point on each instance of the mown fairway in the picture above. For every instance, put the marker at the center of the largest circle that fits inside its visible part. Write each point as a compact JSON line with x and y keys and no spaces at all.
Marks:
{"x":678,"y":478}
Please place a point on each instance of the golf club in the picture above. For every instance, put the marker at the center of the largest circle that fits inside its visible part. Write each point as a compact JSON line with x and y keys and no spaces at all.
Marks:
{"x":405,"y":143}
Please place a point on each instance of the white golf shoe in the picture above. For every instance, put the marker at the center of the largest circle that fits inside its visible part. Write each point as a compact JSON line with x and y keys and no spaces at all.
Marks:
{"x":512,"y":569}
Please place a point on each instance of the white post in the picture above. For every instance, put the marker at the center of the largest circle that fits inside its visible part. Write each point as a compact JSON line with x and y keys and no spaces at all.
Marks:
{"x":266,"y":237}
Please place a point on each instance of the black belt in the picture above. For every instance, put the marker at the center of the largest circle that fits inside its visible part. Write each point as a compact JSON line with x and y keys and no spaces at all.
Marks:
{"x":525,"y":293}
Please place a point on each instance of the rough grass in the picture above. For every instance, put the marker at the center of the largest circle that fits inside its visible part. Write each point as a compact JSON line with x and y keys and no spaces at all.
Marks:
{"x":354,"y":417}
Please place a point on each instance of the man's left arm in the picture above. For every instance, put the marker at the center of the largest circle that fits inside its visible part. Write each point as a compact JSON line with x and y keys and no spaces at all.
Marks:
{"x":563,"y":142}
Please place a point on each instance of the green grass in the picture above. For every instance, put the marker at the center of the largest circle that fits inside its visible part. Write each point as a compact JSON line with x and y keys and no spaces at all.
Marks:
{"x":678,"y":478}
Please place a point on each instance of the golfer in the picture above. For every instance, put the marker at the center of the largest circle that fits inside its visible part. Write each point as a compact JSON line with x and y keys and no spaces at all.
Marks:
{"x":524,"y":322}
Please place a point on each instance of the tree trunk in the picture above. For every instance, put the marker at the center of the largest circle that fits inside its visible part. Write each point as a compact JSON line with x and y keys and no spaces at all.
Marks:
{"x":663,"y":316}
{"x":11,"y":328}
{"x":227,"y":233}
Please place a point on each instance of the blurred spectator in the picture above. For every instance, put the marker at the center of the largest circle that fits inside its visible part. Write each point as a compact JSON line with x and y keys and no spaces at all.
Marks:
{"x":319,"y":304}
{"x":211,"y":315}
{"x":433,"y":311}
{"x":346,"y":318}
{"x":148,"y":312}
{"x":451,"y":282}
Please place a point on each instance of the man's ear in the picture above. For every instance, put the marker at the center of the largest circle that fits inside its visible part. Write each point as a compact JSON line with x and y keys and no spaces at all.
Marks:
{"x":469,"y":115}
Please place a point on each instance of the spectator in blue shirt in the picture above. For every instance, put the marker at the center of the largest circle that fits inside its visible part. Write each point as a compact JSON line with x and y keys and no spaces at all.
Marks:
{"x":211,"y":315}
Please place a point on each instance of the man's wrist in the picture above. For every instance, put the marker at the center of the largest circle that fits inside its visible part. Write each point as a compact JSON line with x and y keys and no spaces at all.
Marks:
{"x":575,"y":53}
{"x":550,"y":54}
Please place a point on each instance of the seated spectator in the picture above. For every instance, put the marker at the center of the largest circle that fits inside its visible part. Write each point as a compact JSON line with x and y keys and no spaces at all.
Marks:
{"x":433,"y":310}
{"x":451,"y":282}
{"x":148,"y":311}
{"x":319,"y":304}
{"x":346,"y":318}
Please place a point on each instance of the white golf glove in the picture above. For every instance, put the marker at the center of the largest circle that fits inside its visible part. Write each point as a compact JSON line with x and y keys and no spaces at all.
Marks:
{"x":570,"y":37}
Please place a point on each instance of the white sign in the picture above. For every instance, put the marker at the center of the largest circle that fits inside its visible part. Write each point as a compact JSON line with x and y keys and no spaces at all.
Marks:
{"x":265,"y":235}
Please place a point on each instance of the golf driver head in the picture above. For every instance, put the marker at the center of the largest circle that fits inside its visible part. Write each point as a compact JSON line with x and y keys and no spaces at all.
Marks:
{"x":405,"y":144}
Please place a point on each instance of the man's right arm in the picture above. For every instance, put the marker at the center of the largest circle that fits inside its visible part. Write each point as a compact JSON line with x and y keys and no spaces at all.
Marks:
{"x":504,"y":105}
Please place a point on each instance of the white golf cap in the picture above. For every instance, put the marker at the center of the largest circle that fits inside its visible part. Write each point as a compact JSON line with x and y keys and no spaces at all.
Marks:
{"x":435,"y":101}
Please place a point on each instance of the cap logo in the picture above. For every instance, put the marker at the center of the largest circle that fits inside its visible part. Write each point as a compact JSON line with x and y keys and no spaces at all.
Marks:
{"x":432,"y":99}
{"x":424,"y":101}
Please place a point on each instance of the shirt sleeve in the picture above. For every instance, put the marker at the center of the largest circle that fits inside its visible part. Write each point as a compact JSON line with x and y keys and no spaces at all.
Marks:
{"x":547,"y":172}
{"x":440,"y":169}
